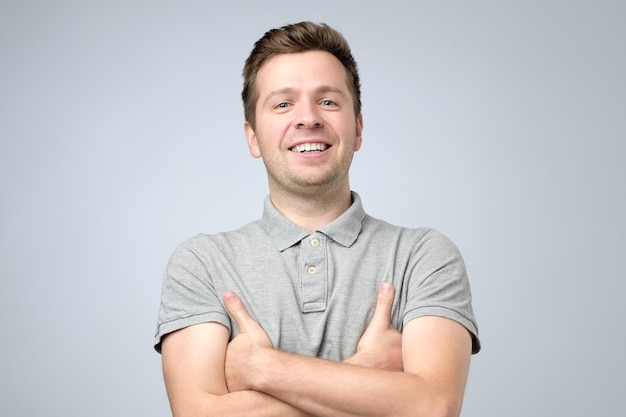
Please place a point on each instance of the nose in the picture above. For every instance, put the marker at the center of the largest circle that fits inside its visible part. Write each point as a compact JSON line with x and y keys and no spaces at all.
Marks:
{"x":308,"y":116}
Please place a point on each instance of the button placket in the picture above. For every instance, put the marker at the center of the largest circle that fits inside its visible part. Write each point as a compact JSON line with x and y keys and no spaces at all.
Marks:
{"x":313,"y":279}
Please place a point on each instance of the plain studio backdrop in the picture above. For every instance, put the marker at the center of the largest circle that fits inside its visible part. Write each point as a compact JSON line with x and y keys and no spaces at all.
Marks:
{"x":502,"y":124}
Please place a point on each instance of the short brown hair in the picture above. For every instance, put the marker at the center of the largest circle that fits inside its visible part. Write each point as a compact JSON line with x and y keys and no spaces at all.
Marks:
{"x":293,"y":38}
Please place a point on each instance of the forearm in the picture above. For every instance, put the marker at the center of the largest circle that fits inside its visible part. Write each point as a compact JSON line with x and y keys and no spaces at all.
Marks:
{"x":410,"y":378}
{"x":193,"y":369}
{"x":235,"y":404}
{"x":328,"y":388}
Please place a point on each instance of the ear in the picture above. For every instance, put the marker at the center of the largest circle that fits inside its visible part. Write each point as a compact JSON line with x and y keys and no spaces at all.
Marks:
{"x":253,"y":145}
{"x":359,"y":132}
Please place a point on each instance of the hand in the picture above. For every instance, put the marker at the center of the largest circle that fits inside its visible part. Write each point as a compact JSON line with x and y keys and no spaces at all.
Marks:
{"x":380,"y":345}
{"x":242,"y":352}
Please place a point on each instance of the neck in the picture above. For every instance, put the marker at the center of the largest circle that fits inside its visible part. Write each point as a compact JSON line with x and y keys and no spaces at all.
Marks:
{"x":313,"y":210}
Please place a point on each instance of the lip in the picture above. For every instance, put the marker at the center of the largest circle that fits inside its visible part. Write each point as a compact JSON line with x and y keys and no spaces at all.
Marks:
{"x":305,"y":141}
{"x":310,"y":156}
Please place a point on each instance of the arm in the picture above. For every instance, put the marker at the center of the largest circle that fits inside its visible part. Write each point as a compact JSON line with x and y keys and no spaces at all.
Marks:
{"x":435,"y":356}
{"x":193,"y":367}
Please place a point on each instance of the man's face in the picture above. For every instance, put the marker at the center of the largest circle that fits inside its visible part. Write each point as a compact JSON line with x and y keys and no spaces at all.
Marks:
{"x":306,"y":130}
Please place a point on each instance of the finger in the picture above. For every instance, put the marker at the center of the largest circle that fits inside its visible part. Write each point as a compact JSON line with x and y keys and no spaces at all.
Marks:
{"x":384,"y":304}
{"x":236,"y":309}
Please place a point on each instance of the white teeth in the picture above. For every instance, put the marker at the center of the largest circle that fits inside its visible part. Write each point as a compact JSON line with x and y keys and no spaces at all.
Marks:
{"x":308,"y":147}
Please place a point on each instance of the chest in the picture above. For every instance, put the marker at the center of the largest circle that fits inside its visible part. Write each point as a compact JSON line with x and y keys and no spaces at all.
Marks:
{"x":315,"y":298}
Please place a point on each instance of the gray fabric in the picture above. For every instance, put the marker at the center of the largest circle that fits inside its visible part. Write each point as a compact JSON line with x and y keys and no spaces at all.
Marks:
{"x":315,"y":293}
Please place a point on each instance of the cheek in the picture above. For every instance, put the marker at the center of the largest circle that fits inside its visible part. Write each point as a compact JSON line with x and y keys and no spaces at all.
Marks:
{"x":267,"y":141}
{"x":352,"y":133}
{"x":273,"y":132}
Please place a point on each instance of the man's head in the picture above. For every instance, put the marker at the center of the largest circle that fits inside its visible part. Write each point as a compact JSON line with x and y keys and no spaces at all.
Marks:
{"x":298,"y":37}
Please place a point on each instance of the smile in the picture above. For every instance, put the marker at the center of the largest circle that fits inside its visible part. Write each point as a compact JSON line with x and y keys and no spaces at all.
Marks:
{"x":310,"y":147}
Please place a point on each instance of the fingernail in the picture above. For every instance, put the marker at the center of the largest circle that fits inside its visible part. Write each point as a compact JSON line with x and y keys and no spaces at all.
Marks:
{"x":229,"y":296}
{"x":385,"y":288}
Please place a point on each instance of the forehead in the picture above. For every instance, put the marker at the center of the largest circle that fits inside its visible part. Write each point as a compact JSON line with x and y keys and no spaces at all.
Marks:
{"x":301,"y":71}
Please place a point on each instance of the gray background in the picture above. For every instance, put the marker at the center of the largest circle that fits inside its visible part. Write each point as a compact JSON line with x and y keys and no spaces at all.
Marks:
{"x":500,"y":123}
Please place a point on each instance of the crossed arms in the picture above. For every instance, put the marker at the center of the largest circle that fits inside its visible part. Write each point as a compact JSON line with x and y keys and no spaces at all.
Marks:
{"x":419,"y":372}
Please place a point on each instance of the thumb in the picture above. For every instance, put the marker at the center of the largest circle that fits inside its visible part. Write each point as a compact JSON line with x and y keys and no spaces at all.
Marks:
{"x":384,"y":303}
{"x":236,"y":309}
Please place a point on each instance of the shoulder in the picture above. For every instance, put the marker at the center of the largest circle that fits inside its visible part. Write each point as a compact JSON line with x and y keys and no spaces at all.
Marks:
{"x":417,"y":235}
{"x":206,"y":242}
{"x":424,"y":245}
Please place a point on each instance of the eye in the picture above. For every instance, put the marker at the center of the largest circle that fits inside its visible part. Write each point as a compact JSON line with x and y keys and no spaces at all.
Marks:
{"x":282,"y":105}
{"x":328,"y":102}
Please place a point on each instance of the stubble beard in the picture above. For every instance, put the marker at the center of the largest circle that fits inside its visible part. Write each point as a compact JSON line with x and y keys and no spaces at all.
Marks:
{"x":309,"y":186}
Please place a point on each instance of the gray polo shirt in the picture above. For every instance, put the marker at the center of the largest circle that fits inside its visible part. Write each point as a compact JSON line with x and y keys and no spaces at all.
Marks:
{"x":315,"y":293}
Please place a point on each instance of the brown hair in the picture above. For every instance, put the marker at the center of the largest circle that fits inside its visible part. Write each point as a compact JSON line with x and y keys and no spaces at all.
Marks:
{"x":298,"y":37}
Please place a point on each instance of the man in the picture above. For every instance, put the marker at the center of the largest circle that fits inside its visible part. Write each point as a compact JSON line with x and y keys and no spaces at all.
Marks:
{"x":317,"y":309}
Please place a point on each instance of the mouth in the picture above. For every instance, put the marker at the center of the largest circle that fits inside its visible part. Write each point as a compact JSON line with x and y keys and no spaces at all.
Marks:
{"x":310,"y":148}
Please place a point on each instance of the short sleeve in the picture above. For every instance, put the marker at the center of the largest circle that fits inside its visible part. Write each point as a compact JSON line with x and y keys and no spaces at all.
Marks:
{"x":188,"y":295}
{"x":438,"y":284}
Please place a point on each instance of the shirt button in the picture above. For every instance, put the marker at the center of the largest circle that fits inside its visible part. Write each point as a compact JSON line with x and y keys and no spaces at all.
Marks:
{"x":311,"y":270}
{"x":315,"y":243}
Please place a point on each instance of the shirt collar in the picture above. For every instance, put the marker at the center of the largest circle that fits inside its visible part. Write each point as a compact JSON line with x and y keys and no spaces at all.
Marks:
{"x":284,"y":233}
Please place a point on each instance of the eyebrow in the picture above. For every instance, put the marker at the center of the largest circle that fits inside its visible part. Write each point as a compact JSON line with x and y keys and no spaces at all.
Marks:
{"x":279,"y":92}
{"x":290,"y":90}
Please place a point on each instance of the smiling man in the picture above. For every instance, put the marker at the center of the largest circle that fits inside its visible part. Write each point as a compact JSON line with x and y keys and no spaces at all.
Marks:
{"x":316,"y":309}
{"x":306,"y":131}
